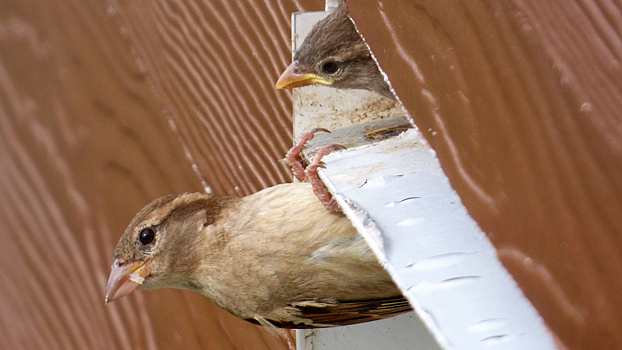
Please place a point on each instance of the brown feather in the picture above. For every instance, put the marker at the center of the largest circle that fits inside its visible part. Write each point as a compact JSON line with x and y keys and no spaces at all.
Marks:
{"x":343,"y":313}
{"x":276,"y":256}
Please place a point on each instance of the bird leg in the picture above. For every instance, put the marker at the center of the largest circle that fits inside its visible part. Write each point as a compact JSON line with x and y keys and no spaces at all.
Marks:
{"x":310,"y":173}
{"x":319,"y":188}
{"x":293,"y":155}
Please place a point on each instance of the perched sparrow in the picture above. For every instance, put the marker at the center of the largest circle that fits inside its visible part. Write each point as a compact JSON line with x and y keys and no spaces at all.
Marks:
{"x":335,"y":54}
{"x":277,"y":258}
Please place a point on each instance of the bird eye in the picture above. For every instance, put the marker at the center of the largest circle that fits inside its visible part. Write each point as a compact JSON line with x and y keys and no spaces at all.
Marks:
{"x":146,"y":235}
{"x":330,"y":67}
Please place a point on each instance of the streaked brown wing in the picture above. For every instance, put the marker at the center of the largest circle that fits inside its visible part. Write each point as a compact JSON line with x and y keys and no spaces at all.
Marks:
{"x":344,"y":313}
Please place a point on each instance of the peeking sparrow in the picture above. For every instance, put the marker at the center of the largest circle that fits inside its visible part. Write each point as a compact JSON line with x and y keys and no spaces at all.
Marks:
{"x":277,"y":257}
{"x":334,"y":54}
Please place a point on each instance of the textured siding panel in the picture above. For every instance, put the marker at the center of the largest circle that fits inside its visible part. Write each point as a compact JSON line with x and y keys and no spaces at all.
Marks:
{"x":520,"y":100}
{"x":100,"y":104}
{"x":212,"y":65}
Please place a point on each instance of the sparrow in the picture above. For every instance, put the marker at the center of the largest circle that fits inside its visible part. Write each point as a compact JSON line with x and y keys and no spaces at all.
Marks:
{"x":334,"y":54}
{"x":277,"y":258}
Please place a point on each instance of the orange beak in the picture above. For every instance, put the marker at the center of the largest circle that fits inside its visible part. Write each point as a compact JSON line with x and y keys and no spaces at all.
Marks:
{"x":293,"y":77}
{"x":124,"y":278}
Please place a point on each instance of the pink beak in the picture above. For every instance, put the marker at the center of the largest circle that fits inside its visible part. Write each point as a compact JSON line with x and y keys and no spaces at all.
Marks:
{"x":124,"y":278}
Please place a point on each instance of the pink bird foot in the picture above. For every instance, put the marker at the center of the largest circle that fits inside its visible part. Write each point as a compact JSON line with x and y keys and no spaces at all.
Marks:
{"x":319,"y":188}
{"x":293,"y":155}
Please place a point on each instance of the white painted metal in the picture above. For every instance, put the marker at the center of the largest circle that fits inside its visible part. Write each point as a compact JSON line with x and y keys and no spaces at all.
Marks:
{"x":394,"y":333}
{"x":398,"y":198}
{"x":331,"y":5}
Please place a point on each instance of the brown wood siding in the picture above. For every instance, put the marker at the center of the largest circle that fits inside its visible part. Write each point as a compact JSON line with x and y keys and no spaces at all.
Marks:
{"x":99,"y":104}
{"x":521,"y":100}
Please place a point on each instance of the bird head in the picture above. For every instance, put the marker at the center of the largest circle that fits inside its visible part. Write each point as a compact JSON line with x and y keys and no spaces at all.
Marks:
{"x":334,"y":54}
{"x":159,"y":247}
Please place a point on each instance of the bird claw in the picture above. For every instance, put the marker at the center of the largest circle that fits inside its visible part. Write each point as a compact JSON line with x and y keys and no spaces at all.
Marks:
{"x":316,"y":130}
{"x":293,"y":155}
{"x":313,"y":167}
{"x":310,"y":173}
{"x":312,"y":176}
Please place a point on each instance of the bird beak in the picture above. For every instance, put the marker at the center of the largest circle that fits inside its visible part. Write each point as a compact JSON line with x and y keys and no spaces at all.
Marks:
{"x":124,"y":278}
{"x":293,"y":77}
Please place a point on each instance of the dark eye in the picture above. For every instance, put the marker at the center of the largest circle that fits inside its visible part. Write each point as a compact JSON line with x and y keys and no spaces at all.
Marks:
{"x":146,"y":235}
{"x":330,"y":67}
